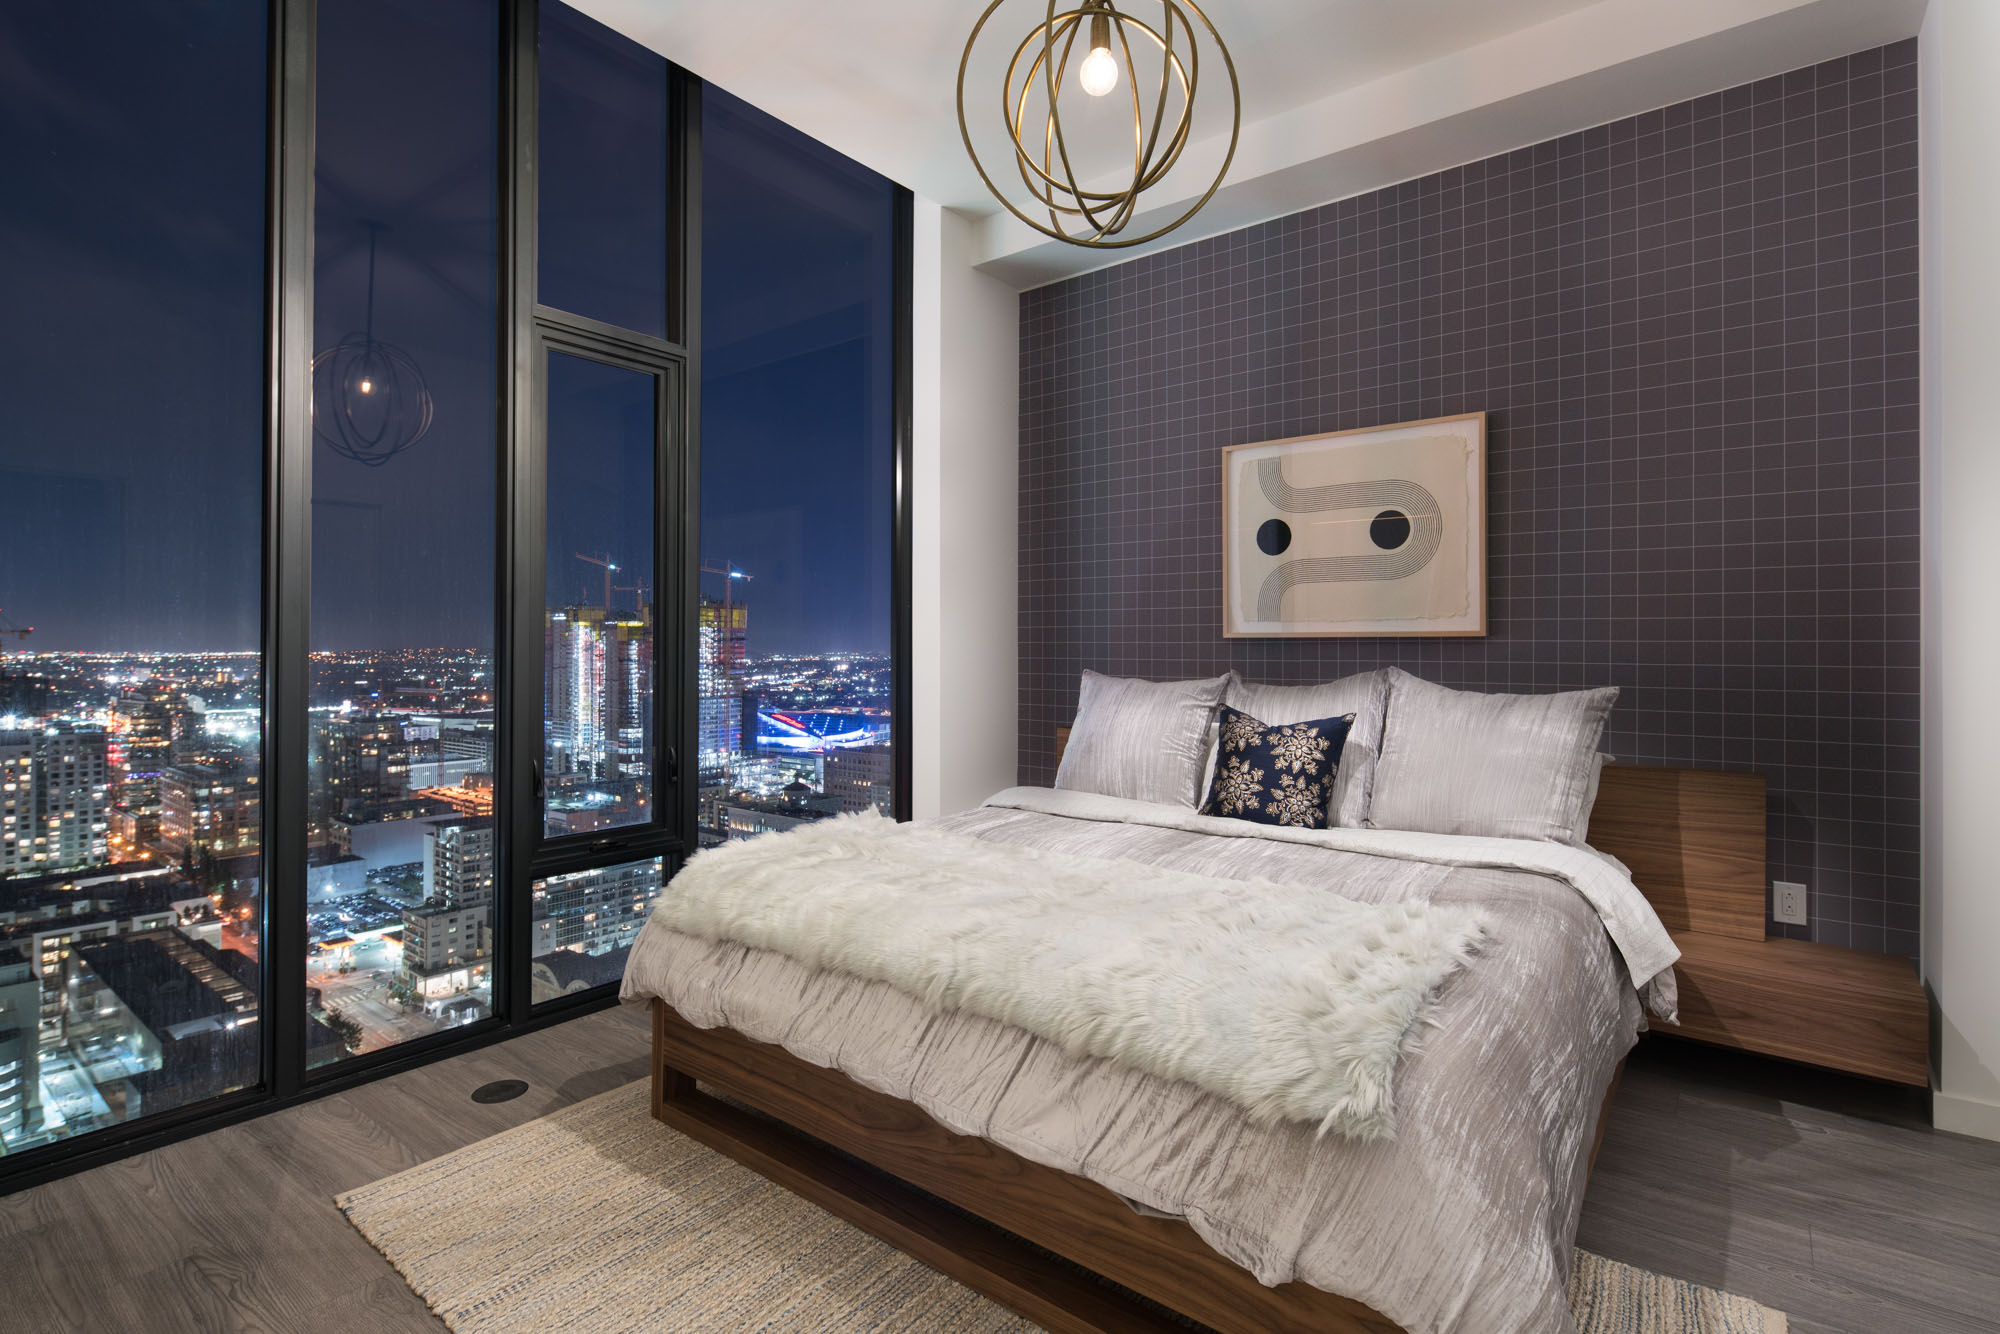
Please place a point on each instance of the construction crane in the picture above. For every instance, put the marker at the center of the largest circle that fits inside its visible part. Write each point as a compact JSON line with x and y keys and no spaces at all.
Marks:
{"x":730,"y":572}
{"x":641,"y":589}
{"x":7,"y":627}
{"x":610,"y":568}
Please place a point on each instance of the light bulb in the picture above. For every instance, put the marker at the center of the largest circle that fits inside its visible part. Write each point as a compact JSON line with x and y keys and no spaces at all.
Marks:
{"x":1099,"y":74}
{"x":367,"y":386}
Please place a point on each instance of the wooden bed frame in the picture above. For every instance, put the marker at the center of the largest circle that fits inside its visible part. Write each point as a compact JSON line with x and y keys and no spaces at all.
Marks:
{"x":998,"y":1223}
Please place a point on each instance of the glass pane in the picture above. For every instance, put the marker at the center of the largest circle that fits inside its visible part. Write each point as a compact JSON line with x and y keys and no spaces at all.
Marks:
{"x":132,"y":472}
{"x":585,"y":923}
{"x":597,"y":684}
{"x":603,"y":190}
{"x":401,"y":878}
{"x":797,"y":471}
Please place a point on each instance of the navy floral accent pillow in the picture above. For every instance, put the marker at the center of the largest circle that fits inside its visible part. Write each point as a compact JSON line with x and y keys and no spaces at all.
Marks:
{"x":1275,"y":774}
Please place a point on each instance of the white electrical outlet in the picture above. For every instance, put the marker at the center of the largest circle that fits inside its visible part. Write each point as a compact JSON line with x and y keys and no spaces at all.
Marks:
{"x":1788,"y":902}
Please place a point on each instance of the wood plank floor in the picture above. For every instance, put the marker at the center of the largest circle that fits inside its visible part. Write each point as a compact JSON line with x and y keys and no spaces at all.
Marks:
{"x":1825,"y":1197}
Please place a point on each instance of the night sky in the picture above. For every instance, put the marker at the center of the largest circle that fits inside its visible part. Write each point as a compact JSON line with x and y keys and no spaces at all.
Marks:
{"x":131,"y":437}
{"x":408,"y":97}
{"x":797,"y":323}
{"x":131,"y":356}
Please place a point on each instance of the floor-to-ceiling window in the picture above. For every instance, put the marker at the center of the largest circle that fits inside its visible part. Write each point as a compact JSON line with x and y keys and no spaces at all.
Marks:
{"x":610,"y":453}
{"x":132,"y":244}
{"x":799,"y":440}
{"x":401,"y":881}
{"x":348,"y":464}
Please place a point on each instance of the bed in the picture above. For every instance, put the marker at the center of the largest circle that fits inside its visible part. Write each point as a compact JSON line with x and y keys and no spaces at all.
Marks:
{"x":1028,"y":1172}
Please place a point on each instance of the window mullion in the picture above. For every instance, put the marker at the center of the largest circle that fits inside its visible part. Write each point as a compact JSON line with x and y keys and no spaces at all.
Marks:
{"x":523,"y":532}
{"x":288,"y":541}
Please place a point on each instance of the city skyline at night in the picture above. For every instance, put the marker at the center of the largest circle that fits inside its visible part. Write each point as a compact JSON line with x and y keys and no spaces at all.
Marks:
{"x":138,"y":782}
{"x":135,"y":779}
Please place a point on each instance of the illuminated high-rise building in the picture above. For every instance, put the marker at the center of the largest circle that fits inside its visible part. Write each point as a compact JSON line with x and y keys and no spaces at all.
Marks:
{"x":599,"y":705}
{"x":462,"y":739}
{"x":55,"y":799}
{"x":724,"y":646}
{"x":364,"y":761}
{"x":862,"y":778}
{"x":17,"y":803}
{"x":20,"y":1049}
{"x":212,"y":806}
{"x":458,"y":862}
{"x":448,"y":942}
{"x":594,"y":912}
{"x":73,"y":796}
{"x":142,"y":741}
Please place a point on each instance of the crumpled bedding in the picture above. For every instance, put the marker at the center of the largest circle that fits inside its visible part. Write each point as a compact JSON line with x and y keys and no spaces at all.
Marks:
{"x":1462,"y":1224}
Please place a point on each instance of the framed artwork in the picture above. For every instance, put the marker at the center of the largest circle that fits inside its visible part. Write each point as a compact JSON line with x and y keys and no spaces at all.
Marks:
{"x":1375,"y":532}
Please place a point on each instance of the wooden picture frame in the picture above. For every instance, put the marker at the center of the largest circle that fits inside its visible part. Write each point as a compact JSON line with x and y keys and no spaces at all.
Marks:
{"x":1400,"y":552}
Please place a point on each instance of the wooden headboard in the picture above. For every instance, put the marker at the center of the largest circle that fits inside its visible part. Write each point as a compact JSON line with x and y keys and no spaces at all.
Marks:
{"x":1694,"y":839}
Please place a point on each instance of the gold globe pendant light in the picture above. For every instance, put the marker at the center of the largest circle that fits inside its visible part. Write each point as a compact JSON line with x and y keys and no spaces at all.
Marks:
{"x":1047,"y":62}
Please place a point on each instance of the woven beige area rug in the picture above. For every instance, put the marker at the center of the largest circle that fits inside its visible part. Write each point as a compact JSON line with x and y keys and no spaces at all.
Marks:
{"x":600,"y":1220}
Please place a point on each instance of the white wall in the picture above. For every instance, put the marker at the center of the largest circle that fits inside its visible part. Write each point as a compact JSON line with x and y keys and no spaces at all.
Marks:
{"x":1960,"y":116}
{"x":966,"y":526}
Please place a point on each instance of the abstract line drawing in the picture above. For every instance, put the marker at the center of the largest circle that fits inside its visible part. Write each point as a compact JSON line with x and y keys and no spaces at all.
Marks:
{"x":1372,"y":532}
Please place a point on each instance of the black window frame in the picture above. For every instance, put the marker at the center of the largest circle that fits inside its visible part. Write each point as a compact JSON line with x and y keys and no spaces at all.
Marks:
{"x":525,"y":334}
{"x":661,"y":835}
{"x":675,"y":361}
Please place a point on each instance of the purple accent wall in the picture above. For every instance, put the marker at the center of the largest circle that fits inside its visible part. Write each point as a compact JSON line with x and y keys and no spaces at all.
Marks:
{"x":1695,"y":335}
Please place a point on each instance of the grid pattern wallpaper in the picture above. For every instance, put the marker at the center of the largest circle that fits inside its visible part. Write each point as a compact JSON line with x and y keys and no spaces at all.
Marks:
{"x":1694,"y":333}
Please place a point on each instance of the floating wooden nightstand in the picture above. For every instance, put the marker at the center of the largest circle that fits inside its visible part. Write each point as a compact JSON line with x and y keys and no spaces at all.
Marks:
{"x":1848,"y":1010}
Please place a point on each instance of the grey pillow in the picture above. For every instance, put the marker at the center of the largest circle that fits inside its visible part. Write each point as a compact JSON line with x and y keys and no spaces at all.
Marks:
{"x":1363,"y":695}
{"x":1497,"y":766}
{"x":1146,"y":740}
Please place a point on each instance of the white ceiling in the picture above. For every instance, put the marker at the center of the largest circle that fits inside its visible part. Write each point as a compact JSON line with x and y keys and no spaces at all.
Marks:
{"x":1338,"y":95}
{"x":878,"y":78}
{"x":1291,"y":52}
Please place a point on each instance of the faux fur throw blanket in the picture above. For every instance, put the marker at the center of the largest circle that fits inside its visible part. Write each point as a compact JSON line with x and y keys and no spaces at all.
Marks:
{"x":1293,"y":1003}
